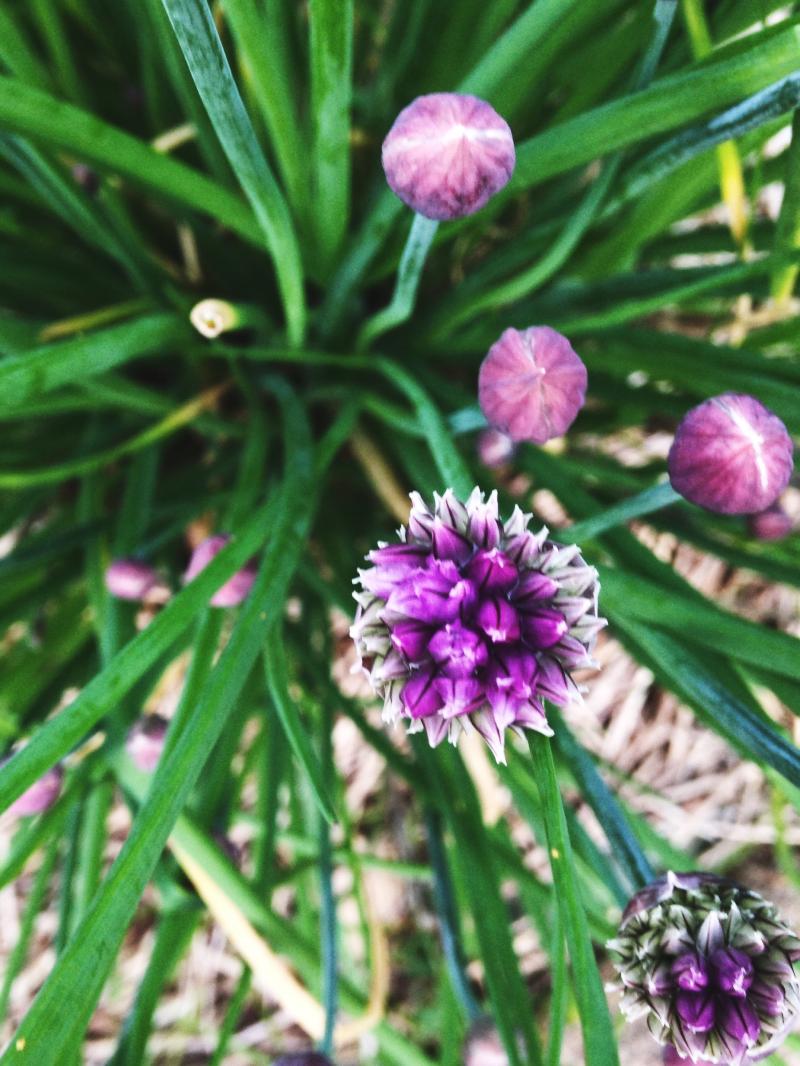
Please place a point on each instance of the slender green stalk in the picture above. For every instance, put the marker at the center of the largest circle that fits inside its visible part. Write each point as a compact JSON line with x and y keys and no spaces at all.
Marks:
{"x":409,"y":272}
{"x":643,"y":503}
{"x":232,"y":1015}
{"x":448,"y":915}
{"x":787,"y":233}
{"x":599,"y":1045}
{"x":328,"y":921}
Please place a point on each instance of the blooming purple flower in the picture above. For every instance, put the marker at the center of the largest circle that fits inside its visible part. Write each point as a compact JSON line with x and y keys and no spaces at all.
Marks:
{"x":235,"y":588}
{"x":448,"y":154}
{"x":130,"y":579}
{"x":731,"y":455}
{"x":772,"y":524}
{"x":711,"y":965}
{"x":470,"y":621}
{"x":531,"y":384}
{"x":41,"y":795}
{"x":145,"y":742}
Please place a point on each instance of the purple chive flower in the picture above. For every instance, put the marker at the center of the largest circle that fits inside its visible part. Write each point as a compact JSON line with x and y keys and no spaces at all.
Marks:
{"x":772,"y":524}
{"x":130,"y":579}
{"x":731,"y":455}
{"x":531,"y":384}
{"x":474,"y":622}
{"x":495,"y":449}
{"x":145,"y":742}
{"x":448,"y":154}
{"x":235,"y":588}
{"x":712,"y":966}
{"x":41,"y":795}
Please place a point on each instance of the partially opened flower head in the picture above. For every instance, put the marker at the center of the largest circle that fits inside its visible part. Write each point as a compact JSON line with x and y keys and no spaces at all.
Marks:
{"x":447,"y":154}
{"x":130,"y":579}
{"x":236,"y":588}
{"x":470,"y":621}
{"x":731,"y":455}
{"x":711,"y":966}
{"x":531,"y":384}
{"x":41,"y":795}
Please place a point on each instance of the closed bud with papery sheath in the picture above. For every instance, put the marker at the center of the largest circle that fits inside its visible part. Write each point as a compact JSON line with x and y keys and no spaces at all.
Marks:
{"x":145,"y":742}
{"x":731,"y":455}
{"x":531,"y":384}
{"x":470,"y":621}
{"x":712,"y":967}
{"x":447,"y":155}
{"x":236,"y":588}
{"x":772,"y":524}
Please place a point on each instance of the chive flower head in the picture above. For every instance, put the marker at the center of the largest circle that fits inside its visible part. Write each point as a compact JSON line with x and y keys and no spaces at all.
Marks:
{"x":531,"y":384}
{"x":447,"y":154}
{"x":469,"y":621}
{"x":712,"y":967}
{"x":731,"y":455}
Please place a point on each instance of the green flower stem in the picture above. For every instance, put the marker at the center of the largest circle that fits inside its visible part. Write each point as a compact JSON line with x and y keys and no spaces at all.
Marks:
{"x":645,"y":502}
{"x":420,"y":238}
{"x":330,"y":981}
{"x":787,"y":237}
{"x":448,"y":915}
{"x":598,"y":1036}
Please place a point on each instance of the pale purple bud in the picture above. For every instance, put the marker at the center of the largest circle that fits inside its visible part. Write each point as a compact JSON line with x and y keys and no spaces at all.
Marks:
{"x":236,"y":588}
{"x":531,"y":384}
{"x":772,"y":524}
{"x":447,"y":155}
{"x":731,"y":455}
{"x":145,"y":742}
{"x":495,"y":449}
{"x":41,"y":795}
{"x":448,"y":543}
{"x":130,"y":579}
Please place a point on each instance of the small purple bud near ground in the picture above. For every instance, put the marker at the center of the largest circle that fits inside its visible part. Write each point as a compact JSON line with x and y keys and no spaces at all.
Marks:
{"x":471,"y":622}
{"x":531,"y":384}
{"x":236,"y":588}
{"x":495,"y":448}
{"x":41,"y":795}
{"x":145,"y":742}
{"x":731,"y":455}
{"x":711,"y":966}
{"x":483,"y":1046}
{"x":772,"y":524}
{"x":130,"y":579}
{"x":447,"y":155}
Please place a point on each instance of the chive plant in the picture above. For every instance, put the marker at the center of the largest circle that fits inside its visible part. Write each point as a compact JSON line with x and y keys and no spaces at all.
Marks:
{"x":231,"y":346}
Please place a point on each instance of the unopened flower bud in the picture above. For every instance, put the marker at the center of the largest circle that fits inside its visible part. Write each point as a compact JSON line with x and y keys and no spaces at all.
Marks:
{"x":235,"y":588}
{"x":130,"y":579}
{"x":483,"y":1046}
{"x":41,"y":795}
{"x":145,"y":742}
{"x":772,"y":524}
{"x":211,"y":317}
{"x":711,"y":966}
{"x":495,"y":448}
{"x":532,"y":384}
{"x":447,"y":154}
{"x":731,"y":455}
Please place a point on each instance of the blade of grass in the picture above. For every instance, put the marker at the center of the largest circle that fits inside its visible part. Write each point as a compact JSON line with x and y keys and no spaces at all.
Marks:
{"x":599,"y":1043}
{"x":787,"y":232}
{"x":197,"y":35}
